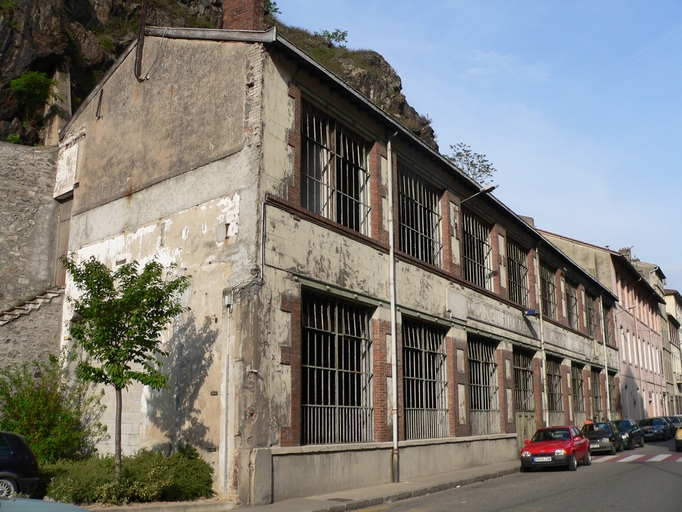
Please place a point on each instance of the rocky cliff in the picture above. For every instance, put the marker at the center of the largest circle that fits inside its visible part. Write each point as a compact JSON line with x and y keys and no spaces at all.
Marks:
{"x":84,"y":38}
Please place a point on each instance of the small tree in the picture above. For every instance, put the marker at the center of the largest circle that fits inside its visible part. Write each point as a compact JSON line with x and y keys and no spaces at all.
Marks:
{"x":120,"y":317}
{"x":476,"y":166}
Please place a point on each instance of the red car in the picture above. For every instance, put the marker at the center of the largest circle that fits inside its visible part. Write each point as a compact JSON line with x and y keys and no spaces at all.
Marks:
{"x":556,"y":446}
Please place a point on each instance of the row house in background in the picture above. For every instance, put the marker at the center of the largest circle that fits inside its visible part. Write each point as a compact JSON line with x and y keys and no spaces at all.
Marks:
{"x":639,"y":327}
{"x":673,"y":301}
{"x":361,"y":311}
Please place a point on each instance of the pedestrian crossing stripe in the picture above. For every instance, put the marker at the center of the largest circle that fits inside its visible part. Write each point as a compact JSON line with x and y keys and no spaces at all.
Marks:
{"x":663,"y":457}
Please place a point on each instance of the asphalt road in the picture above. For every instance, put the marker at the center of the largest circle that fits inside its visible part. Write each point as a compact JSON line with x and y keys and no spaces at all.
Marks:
{"x":651,"y":482}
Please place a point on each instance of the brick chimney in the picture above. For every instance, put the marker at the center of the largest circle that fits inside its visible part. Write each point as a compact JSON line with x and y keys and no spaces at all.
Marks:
{"x":243,"y":14}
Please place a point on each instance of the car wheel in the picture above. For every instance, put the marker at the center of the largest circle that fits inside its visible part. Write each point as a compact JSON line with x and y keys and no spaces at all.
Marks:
{"x":613,"y":450}
{"x":524,"y":469}
{"x":678,"y":449}
{"x":572,"y":463}
{"x":587,"y":461}
{"x":620,"y":446}
{"x":7,"y":487}
{"x":641,"y":442}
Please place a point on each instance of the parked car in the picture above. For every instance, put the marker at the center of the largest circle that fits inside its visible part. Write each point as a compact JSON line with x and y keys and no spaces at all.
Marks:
{"x":18,"y":466}
{"x":556,"y":446}
{"x":674,"y":421}
{"x":678,"y":439}
{"x":656,"y":428}
{"x":604,"y":436}
{"x":630,"y":432}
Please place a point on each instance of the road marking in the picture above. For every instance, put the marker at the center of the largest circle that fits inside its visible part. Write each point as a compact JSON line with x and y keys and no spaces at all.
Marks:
{"x":606,"y":458}
{"x":630,"y":458}
{"x":641,"y":458}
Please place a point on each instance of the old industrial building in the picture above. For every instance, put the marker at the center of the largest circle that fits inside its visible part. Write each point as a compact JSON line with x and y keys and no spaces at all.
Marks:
{"x":361,"y":311}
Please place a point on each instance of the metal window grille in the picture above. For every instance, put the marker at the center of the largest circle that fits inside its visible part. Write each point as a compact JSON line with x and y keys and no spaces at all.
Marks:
{"x":596,"y":393}
{"x":524,"y":398}
{"x":420,"y":219}
{"x":336,"y":371}
{"x":548,"y":292}
{"x":555,"y":394}
{"x":590,"y":315}
{"x":483,"y":376}
{"x":606,"y":320}
{"x":578,"y":388}
{"x":517,"y":267}
{"x":572,"y":304}
{"x":334,"y":173}
{"x":613,"y":403}
{"x":477,"y":250}
{"x":425,"y":385}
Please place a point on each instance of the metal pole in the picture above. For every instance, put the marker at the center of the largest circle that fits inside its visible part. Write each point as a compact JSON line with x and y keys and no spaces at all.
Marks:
{"x":606,"y":364}
{"x":543,"y":376}
{"x":395,"y":455}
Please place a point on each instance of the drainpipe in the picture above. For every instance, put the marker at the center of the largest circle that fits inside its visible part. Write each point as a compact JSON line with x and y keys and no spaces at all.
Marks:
{"x":395,"y":458}
{"x":543,"y":377}
{"x":606,"y":364}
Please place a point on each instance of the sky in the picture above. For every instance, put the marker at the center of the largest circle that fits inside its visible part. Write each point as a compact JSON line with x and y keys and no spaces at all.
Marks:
{"x":577,"y":104}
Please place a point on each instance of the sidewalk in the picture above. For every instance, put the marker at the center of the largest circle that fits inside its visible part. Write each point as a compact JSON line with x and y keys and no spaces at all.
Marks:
{"x":352,"y":499}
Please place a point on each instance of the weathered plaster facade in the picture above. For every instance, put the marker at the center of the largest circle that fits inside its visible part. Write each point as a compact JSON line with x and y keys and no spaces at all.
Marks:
{"x":203,"y":165}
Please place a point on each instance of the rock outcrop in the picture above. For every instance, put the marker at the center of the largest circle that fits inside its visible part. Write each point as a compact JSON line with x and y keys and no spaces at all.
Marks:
{"x":84,"y":37}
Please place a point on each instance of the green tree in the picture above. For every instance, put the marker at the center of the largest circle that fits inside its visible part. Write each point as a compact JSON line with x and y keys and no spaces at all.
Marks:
{"x":58,"y":416}
{"x":120,"y":316}
{"x":34,"y":89}
{"x":476,"y":166}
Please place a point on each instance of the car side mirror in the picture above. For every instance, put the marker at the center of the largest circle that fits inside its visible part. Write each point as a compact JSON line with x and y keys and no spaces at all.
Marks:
{"x":526,"y":441}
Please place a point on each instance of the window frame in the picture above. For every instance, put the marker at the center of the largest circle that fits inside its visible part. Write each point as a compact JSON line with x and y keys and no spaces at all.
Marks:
{"x":548,"y":295}
{"x":517,"y":273}
{"x":425,"y":379}
{"x":572,"y":310}
{"x":477,"y":249}
{"x":344,"y":411}
{"x":334,"y":170}
{"x":555,"y":393}
{"x":420,"y":219}
{"x":577,"y":389}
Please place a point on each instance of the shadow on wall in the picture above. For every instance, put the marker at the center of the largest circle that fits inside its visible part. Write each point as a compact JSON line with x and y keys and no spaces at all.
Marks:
{"x":174,"y":411}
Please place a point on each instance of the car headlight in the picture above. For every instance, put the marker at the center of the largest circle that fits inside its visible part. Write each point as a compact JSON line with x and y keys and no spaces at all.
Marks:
{"x":678,"y":435}
{"x":525,"y":453}
{"x":625,"y":435}
{"x":604,"y":440}
{"x":560,"y":452}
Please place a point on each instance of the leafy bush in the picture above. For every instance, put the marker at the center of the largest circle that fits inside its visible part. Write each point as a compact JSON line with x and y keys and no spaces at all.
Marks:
{"x":14,"y":138}
{"x":147,"y":476}
{"x":57,"y":417}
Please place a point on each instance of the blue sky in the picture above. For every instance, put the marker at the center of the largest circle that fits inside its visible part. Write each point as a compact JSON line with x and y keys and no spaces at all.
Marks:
{"x":577,"y":104}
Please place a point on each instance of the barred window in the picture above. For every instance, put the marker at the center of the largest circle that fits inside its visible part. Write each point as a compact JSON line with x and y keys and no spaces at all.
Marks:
{"x":336,"y":371}
{"x":590,"y":315}
{"x":613,"y":402}
{"x":548,"y":291}
{"x":572,"y":304}
{"x":606,"y":320}
{"x":425,"y":380}
{"x":517,"y":267}
{"x":596,"y":392}
{"x":483,"y":376}
{"x":555,"y":394}
{"x":578,"y":388}
{"x":420,"y":218}
{"x":334,"y":172}
{"x":477,"y":250}
{"x":524,"y":397}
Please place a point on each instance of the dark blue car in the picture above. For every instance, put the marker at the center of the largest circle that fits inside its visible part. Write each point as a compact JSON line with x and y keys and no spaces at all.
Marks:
{"x":18,"y":466}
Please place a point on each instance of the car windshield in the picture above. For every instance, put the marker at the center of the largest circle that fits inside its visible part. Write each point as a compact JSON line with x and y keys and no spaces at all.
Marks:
{"x":623,"y":425}
{"x":604,"y":428}
{"x":552,"y":434}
